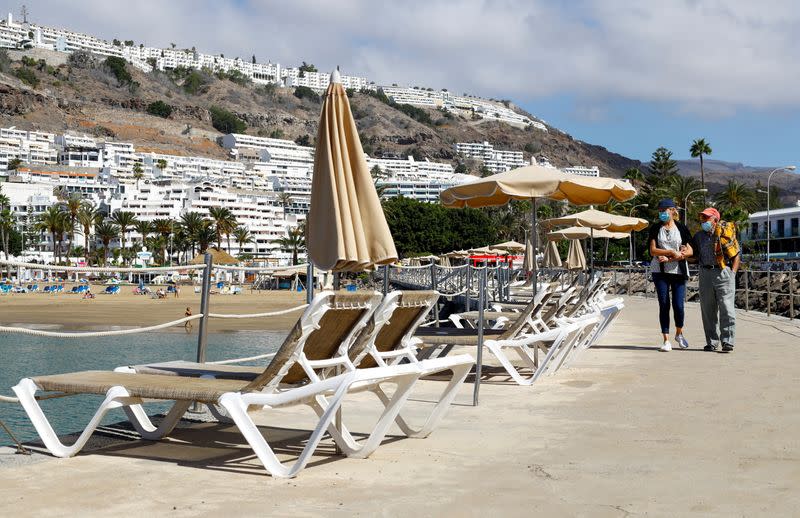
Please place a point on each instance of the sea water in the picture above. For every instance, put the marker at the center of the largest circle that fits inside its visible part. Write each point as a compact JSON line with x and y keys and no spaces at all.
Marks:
{"x":27,"y":356}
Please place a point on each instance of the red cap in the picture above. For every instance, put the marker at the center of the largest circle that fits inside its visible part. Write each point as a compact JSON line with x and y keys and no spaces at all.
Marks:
{"x":711,"y":212}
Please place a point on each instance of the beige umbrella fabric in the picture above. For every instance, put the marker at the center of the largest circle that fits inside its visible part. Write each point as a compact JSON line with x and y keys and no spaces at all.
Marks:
{"x":535,"y":181}
{"x":527,"y":261}
{"x":511,"y":246}
{"x":346,"y":228}
{"x":584,"y":233}
{"x":576,"y":260}
{"x":551,"y":257}
{"x":597,"y":219}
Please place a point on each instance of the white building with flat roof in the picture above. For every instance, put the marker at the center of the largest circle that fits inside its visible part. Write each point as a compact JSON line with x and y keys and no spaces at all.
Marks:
{"x":495,"y":160}
{"x":580,"y":170}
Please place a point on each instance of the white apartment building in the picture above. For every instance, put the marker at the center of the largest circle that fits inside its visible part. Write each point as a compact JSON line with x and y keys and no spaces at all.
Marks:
{"x":415,"y":96}
{"x":318,"y":81}
{"x":79,"y":151}
{"x":580,"y":170}
{"x":497,"y":161}
{"x":82,"y":180}
{"x":29,"y":147}
{"x":119,"y":159}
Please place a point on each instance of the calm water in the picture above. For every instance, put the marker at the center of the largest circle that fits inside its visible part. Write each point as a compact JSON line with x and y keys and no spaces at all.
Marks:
{"x":25,"y":356}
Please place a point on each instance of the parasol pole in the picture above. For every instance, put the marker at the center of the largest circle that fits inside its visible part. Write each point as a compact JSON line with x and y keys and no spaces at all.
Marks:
{"x":534,"y":243}
{"x":591,"y":252}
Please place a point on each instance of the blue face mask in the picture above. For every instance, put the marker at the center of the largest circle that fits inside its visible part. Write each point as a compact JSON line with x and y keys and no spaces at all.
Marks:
{"x":663,"y":216}
{"x":707,"y":226}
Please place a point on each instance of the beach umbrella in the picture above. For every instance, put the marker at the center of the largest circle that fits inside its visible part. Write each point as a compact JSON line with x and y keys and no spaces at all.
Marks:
{"x":217,"y":257}
{"x":346,"y":229}
{"x":530,"y":257}
{"x":584,"y":233}
{"x":534,"y":181}
{"x":511,"y":246}
{"x":594,"y":219}
{"x":551,"y":257}
{"x":576,"y":260}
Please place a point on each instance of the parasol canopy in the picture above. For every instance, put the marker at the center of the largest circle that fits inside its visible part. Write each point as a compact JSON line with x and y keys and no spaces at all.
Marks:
{"x":535,"y":181}
{"x":576,"y":260}
{"x":346,"y":228}
{"x":551,"y":258}
{"x":584,"y":233}
{"x":597,"y":219}
{"x":217,"y":257}
{"x":511,"y":246}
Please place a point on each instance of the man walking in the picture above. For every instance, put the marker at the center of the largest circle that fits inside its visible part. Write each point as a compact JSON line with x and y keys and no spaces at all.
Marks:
{"x":718,"y":254}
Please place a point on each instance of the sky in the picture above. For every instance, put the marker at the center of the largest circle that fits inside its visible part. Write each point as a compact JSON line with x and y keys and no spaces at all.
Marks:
{"x":630,"y":75}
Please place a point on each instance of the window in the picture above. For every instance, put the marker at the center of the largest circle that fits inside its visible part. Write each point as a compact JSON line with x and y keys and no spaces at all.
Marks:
{"x":794,"y":227}
{"x":781,"y":228}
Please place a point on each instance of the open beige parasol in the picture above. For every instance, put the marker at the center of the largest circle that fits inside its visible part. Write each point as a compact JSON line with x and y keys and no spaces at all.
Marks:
{"x":584,"y":233}
{"x":346,"y":228}
{"x":597,"y":219}
{"x":511,"y":246}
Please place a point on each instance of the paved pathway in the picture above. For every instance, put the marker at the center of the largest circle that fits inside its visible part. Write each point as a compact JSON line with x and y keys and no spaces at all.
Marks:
{"x":626,"y":431}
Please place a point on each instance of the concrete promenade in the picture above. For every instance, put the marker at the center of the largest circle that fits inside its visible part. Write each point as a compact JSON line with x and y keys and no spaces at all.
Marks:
{"x":627,"y":431}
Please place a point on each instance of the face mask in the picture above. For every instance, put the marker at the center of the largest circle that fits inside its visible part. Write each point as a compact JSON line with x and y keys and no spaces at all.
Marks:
{"x":663,"y":216}
{"x":707,"y":226}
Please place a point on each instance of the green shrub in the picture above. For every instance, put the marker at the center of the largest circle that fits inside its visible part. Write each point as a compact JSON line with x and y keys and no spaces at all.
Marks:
{"x":159,"y":109}
{"x":26,"y":75}
{"x":117,"y":67}
{"x":304,"y":92}
{"x":225,"y":121}
{"x":194,"y":82}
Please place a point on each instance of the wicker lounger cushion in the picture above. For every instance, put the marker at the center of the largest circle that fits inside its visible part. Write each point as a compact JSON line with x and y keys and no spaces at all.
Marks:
{"x":140,"y":385}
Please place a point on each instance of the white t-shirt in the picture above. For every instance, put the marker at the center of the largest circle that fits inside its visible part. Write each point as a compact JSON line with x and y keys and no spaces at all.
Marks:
{"x":668,"y":239}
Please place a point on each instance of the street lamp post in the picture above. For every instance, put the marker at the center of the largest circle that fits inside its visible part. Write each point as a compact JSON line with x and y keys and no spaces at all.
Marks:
{"x":686,"y":203}
{"x":769,"y":226}
{"x":630,"y":236}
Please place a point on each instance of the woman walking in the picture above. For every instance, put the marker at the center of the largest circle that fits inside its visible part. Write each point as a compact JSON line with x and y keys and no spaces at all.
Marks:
{"x":670,"y":246}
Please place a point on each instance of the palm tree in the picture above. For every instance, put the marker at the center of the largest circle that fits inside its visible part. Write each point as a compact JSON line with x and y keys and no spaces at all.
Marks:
{"x":161,"y":164}
{"x":286,"y":199}
{"x":294,"y":242}
{"x":699,"y":148}
{"x":6,"y":226}
{"x":163,"y":227}
{"x":679,"y":187}
{"x":736,"y":196}
{"x":71,"y":206}
{"x":106,"y":232}
{"x":144,"y":228}
{"x":243,"y":237}
{"x":205,"y":236}
{"x":635,"y":176}
{"x":192,"y":223}
{"x":125,"y":220}
{"x":88,"y":217}
{"x":225,"y":223}
{"x":52,"y":220}
{"x":4,"y":202}
{"x":138,"y":173}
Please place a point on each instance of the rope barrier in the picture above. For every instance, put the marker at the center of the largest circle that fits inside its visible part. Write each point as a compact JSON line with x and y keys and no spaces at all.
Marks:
{"x":92,"y":334}
{"x":262,"y":268}
{"x":240,"y":360}
{"x":257,"y":315}
{"x":100,"y":269}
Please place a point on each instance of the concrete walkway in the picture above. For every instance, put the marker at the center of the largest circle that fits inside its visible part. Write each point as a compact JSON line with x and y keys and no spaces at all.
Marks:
{"x":626,"y":431}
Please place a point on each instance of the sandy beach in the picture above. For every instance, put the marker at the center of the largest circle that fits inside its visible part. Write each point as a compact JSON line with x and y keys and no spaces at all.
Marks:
{"x":626,"y":431}
{"x":128,"y":310}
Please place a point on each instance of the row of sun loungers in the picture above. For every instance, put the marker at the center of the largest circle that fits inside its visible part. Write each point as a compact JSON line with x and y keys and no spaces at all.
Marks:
{"x":342,"y":344}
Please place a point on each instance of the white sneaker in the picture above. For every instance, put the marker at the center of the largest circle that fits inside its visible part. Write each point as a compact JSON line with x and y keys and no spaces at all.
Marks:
{"x":682,"y":341}
{"x":666,"y":347}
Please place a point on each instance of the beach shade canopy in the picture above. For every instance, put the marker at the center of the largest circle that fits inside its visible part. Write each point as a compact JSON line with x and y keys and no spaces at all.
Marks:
{"x":584,"y":233}
{"x":510,"y":246}
{"x":346,"y":229}
{"x":217,"y":257}
{"x":576,"y":260}
{"x":487,"y":250}
{"x":597,"y":219}
{"x":551,"y":258}
{"x":535,"y":181}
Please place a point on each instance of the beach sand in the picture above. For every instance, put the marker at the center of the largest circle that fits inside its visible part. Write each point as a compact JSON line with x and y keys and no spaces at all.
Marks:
{"x":72,"y":312}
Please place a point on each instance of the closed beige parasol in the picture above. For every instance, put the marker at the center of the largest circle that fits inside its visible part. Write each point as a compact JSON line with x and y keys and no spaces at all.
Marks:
{"x":346,"y":228}
{"x":551,"y":257}
{"x":576,"y":260}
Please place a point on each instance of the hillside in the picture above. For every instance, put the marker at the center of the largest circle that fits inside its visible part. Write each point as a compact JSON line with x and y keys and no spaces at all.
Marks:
{"x":84,"y":95}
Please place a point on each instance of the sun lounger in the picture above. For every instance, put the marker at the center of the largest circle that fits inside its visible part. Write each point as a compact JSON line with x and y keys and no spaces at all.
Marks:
{"x":286,"y":380}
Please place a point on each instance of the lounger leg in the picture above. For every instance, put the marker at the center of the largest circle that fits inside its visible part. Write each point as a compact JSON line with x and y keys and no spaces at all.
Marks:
{"x":497,"y":352}
{"x":236,"y":404}
{"x":26,"y":390}
{"x":141,"y":421}
{"x":460,"y":373}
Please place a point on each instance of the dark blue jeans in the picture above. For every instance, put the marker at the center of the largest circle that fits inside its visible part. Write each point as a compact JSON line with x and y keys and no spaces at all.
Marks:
{"x":676,"y":283}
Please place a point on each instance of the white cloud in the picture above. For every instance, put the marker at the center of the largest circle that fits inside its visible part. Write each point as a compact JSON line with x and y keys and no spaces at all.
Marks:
{"x":705,"y":56}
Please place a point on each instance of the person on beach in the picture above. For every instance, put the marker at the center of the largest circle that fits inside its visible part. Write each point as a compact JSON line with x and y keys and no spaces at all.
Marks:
{"x":188,"y":324}
{"x":670,"y":245}
{"x":719,"y":256}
